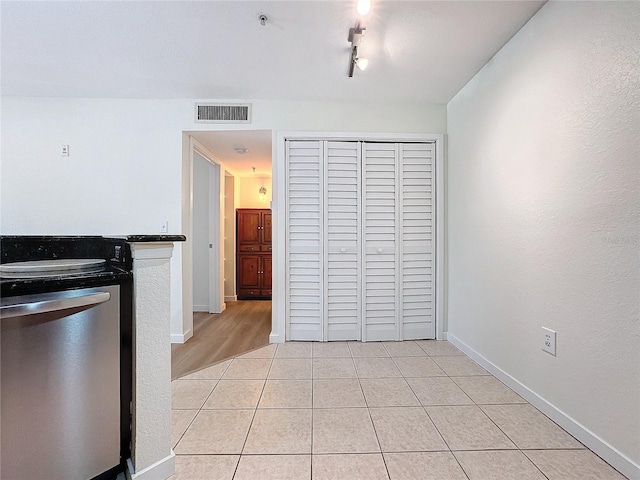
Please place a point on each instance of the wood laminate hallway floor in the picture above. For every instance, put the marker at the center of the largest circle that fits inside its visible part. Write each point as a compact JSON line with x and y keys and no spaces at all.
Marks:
{"x":244,"y":325}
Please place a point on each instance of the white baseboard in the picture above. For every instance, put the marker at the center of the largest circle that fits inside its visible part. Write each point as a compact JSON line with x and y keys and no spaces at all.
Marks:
{"x":206,"y":309}
{"x":607,"y":452}
{"x":161,"y":470}
{"x":181,"y":337}
{"x":233,"y":298}
{"x":275,"y":338}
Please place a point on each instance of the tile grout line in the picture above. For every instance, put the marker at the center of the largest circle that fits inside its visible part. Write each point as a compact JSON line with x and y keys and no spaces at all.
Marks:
{"x":255,"y":411}
{"x":375,"y":431}
{"x":490,"y":419}
{"x":434,"y":423}
{"x":198,"y":409}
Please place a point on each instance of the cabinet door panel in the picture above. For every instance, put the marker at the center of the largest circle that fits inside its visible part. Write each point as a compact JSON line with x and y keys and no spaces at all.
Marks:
{"x":266,"y":272}
{"x":248,"y":231}
{"x":248,"y":268}
{"x":266,"y":229}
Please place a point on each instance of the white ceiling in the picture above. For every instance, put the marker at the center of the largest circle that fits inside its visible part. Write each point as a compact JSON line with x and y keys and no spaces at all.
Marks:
{"x":419,"y":51}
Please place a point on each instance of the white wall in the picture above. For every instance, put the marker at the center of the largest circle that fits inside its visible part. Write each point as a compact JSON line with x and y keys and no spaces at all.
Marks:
{"x":123,"y":174}
{"x":249,"y":187}
{"x":543,"y":203}
{"x":200,"y":243}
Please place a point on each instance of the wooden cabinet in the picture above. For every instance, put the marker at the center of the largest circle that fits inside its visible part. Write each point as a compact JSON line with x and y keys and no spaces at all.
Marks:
{"x":253,"y":253}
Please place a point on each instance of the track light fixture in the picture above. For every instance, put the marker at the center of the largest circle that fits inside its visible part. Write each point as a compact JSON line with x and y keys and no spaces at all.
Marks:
{"x":356,"y":35}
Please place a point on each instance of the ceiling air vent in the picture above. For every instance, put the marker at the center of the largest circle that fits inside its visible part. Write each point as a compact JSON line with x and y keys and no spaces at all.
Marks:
{"x":217,"y":113}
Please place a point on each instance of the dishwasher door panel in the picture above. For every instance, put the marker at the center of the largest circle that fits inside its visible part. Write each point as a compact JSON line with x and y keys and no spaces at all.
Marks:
{"x":60,"y":384}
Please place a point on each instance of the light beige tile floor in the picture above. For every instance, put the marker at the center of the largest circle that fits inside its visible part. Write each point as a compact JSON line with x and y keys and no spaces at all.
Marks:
{"x":376,"y":411}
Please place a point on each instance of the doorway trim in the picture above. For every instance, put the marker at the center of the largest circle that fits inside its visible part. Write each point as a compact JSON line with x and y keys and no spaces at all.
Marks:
{"x":191,"y":145}
{"x":279,"y":327}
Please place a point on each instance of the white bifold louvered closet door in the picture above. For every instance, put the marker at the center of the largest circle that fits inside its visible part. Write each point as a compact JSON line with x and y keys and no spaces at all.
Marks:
{"x":342,"y":241}
{"x":380,"y":235}
{"x":359,"y":241}
{"x":417,"y":243}
{"x":304,"y":242}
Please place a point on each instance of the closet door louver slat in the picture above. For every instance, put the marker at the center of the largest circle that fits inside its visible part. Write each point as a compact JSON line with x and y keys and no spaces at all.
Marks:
{"x":342,"y":240}
{"x":304,"y":255}
{"x":417,"y":252}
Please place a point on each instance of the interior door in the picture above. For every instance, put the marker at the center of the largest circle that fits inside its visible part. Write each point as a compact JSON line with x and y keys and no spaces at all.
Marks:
{"x":304,"y":256}
{"x":342,"y":241}
{"x":380,"y":241}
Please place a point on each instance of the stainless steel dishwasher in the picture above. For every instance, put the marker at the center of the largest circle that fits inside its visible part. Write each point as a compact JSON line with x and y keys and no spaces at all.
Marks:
{"x":60,"y":384}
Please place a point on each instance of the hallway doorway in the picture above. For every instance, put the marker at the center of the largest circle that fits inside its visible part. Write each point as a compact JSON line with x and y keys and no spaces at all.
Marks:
{"x":239,"y":166}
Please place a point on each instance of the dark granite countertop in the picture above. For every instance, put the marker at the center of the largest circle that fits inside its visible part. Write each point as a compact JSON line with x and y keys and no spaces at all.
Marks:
{"x":115,"y":250}
{"x":18,"y":248}
{"x":155,"y":238}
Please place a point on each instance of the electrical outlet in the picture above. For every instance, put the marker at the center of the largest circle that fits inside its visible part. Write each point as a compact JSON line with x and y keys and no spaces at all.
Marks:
{"x":549,"y":341}
{"x":164,"y":226}
{"x":64,"y":150}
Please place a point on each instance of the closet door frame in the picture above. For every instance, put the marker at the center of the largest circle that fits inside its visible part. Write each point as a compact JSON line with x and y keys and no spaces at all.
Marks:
{"x":279,"y":203}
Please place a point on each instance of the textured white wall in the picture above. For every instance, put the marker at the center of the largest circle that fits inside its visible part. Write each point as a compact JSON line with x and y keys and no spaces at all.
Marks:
{"x":543,"y":204}
{"x":122,"y":175}
{"x":151,"y":425}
